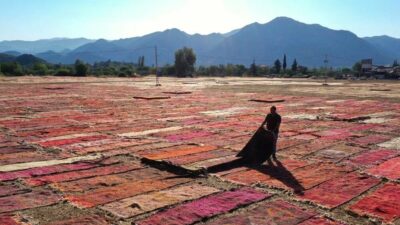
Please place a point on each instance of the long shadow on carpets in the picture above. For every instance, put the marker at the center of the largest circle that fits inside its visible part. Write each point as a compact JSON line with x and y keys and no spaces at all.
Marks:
{"x":277,"y":171}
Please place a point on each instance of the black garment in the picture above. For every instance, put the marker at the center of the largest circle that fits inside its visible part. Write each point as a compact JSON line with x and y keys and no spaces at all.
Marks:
{"x":273,"y":121}
{"x":259,"y":148}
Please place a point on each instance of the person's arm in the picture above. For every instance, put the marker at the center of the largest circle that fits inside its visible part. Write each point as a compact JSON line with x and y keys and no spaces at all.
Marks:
{"x":278,"y":125}
{"x":264,"y":124}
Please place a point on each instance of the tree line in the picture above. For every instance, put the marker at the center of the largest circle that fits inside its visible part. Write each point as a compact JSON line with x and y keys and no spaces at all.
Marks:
{"x":184,"y":66}
{"x":79,"y":68}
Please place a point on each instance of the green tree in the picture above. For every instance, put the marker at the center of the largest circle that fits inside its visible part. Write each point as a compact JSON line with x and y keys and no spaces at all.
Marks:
{"x":303,"y":69}
{"x":277,"y":66}
{"x":81,"y":68}
{"x":125,"y":71}
{"x":262,"y":70}
{"x":40,"y":69}
{"x":357,"y":67}
{"x":284,"y":62}
{"x":213,"y":70}
{"x":11,"y":69}
{"x":185,"y":59}
{"x":229,"y":69}
{"x":63,"y":72}
{"x":141,"y":62}
{"x":168,"y":70}
{"x":240,"y":70}
{"x":253,"y":68}
{"x":294,"y":65}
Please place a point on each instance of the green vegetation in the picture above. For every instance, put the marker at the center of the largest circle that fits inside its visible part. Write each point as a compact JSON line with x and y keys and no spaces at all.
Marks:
{"x":223,"y":70}
{"x":185,"y":59}
{"x":63,"y":72}
{"x":395,"y":63}
{"x":140,"y":62}
{"x":284,"y":64}
{"x":294,"y":65}
{"x":277,"y":66}
{"x":141,"y":69}
{"x":40,"y":69}
{"x":253,"y":69}
{"x":81,"y":68}
{"x":11,"y":68}
{"x":184,"y":62}
{"x":357,"y":67}
{"x":120,"y":69}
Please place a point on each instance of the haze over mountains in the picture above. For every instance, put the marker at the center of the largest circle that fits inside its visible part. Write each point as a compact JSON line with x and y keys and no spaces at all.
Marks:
{"x":308,"y":43}
{"x":33,"y":47}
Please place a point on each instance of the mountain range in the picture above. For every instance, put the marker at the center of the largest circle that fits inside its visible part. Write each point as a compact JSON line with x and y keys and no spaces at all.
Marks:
{"x":23,"y":59}
{"x":310,"y":44}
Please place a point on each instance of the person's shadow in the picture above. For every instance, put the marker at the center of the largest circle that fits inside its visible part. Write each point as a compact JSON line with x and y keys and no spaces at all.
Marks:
{"x":257,"y":150}
{"x":278,"y":171}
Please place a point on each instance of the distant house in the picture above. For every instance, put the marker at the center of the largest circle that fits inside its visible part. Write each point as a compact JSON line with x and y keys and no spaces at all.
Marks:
{"x":396,"y":70}
{"x":379,"y":71}
{"x":388,"y":72}
{"x":366,"y":65}
{"x":382,"y":69}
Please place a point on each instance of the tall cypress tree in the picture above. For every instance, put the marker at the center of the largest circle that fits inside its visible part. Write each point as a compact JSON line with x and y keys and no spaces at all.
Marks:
{"x":253,"y":68}
{"x":277,"y":66}
{"x":294,"y":65}
{"x":139,"y":62}
{"x":284,"y":62}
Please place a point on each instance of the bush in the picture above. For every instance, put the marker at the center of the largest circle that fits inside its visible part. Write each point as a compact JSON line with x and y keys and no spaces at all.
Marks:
{"x":40,"y":69}
{"x":63,"y":72}
{"x":126,"y":71}
{"x":122,"y":74}
{"x":168,"y":70}
{"x":81,"y":69}
{"x":11,"y":69}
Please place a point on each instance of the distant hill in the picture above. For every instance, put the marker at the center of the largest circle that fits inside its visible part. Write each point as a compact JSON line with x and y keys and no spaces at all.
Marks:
{"x":24,"y":59}
{"x":33,"y":47}
{"x":13,"y":53}
{"x":128,"y":50}
{"x":386,"y":43}
{"x":28,"y":60}
{"x":6,"y":58}
{"x":308,"y":43}
{"x":51,"y":56}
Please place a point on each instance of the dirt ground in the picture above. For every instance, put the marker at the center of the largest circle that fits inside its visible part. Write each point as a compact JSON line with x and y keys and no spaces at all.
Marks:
{"x":123,"y":151}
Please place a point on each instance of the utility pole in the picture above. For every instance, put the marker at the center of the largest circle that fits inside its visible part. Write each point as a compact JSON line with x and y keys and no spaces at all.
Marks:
{"x":253,"y":67}
{"x":326,"y":61}
{"x":156,"y":57}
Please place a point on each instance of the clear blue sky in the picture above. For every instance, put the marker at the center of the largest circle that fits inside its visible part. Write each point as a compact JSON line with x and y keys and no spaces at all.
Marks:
{"x":114,"y":19}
